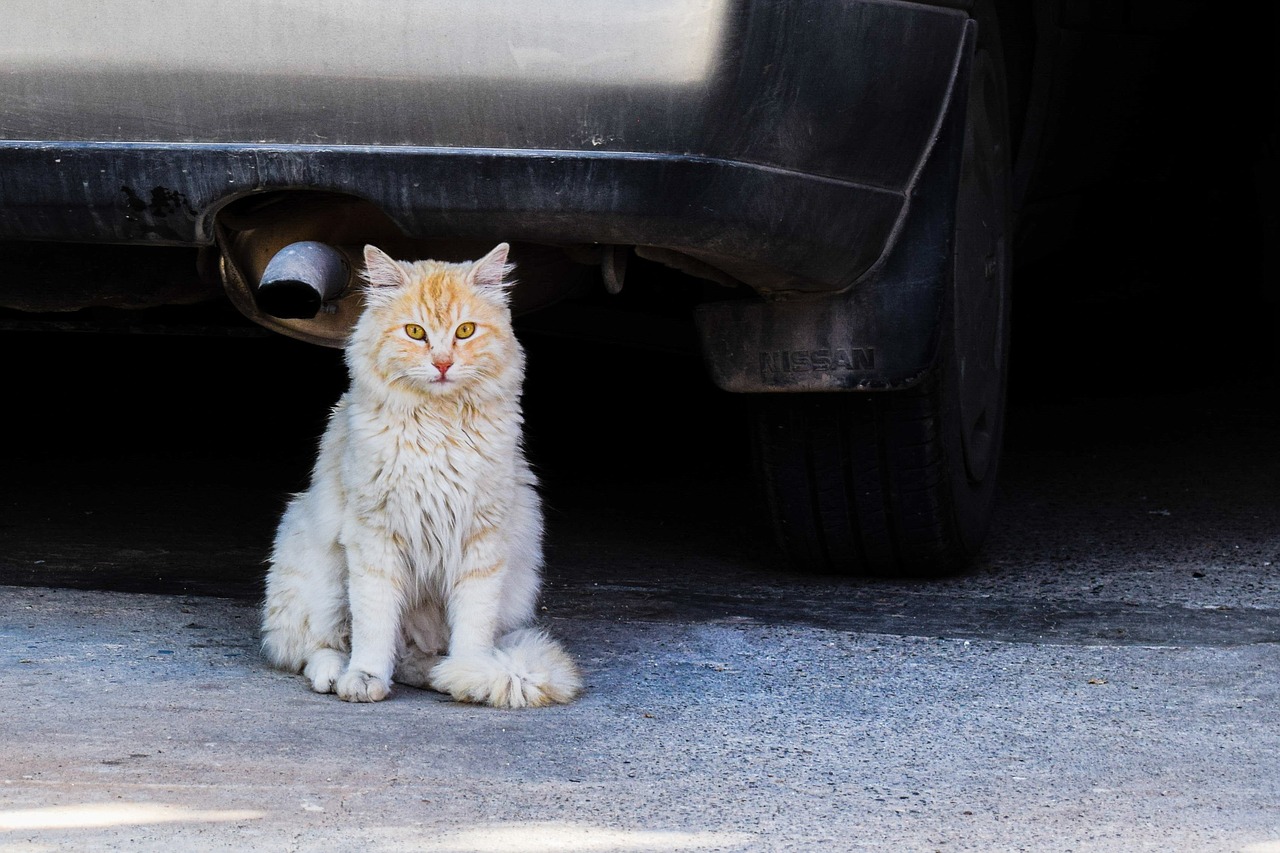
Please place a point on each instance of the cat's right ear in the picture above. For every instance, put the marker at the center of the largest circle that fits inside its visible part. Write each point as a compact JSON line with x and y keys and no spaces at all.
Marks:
{"x":380,"y":270}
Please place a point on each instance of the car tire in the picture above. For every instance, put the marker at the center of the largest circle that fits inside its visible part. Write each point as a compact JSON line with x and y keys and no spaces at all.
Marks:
{"x":902,"y":483}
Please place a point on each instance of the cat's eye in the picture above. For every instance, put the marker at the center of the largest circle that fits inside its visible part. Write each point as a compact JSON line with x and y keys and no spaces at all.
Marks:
{"x":415,"y":331}
{"x":465,"y":331}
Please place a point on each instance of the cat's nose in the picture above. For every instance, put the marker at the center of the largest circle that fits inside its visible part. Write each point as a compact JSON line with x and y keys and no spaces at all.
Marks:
{"x":443,"y":366}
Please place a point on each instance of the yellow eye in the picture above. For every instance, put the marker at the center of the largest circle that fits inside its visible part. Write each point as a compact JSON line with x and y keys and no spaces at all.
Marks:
{"x":415,"y":331}
{"x":465,"y":331}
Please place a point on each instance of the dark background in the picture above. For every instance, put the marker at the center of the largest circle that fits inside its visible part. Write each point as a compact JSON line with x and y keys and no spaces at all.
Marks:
{"x":138,"y":461}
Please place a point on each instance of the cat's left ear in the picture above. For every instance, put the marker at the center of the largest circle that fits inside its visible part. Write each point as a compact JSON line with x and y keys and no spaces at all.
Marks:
{"x":490,"y":272}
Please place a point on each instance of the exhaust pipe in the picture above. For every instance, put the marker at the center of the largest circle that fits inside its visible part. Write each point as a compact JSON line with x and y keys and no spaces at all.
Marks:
{"x":300,"y":278}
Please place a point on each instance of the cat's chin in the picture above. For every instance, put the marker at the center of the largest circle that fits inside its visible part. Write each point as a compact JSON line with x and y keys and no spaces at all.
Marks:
{"x":446,"y":393}
{"x":431,"y":387}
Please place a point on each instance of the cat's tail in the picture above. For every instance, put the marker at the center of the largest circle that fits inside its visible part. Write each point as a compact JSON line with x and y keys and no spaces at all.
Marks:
{"x":526,"y":668}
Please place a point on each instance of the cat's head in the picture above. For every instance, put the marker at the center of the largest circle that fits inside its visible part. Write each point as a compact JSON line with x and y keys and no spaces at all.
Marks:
{"x":436,"y":328}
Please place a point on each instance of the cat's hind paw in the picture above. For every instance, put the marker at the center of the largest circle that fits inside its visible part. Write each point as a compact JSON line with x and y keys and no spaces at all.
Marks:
{"x":355,"y":685}
{"x":414,"y":668}
{"x":527,"y":670}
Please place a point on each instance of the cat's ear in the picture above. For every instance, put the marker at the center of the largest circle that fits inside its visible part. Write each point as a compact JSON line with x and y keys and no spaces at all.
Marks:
{"x":380,"y":270}
{"x":489,"y":274}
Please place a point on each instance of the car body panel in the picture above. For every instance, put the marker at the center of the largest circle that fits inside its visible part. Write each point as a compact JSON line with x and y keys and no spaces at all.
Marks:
{"x":776,"y":141}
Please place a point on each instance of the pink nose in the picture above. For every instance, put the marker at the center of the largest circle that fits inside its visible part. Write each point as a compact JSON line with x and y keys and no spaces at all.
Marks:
{"x":443,"y":366}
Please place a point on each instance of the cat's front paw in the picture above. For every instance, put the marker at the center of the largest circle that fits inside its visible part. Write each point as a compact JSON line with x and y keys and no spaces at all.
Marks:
{"x":358,"y":686}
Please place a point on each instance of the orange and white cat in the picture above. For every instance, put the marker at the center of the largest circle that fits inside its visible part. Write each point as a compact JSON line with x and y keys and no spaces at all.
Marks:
{"x":415,"y":554}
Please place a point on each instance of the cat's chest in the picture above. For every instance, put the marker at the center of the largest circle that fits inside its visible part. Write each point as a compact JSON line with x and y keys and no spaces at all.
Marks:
{"x":420,"y":464}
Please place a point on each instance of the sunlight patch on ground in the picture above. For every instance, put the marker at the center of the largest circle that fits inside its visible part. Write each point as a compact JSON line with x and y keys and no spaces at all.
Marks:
{"x":97,"y":815}
{"x":550,"y":837}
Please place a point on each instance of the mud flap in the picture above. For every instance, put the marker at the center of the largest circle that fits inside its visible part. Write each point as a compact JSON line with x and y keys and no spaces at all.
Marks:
{"x":882,"y":332}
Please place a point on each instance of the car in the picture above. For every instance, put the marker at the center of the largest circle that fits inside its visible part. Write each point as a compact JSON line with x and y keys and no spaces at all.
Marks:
{"x":847,"y":179}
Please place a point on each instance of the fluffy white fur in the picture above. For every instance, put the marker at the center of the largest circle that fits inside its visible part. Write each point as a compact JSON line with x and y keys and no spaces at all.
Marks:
{"x":415,"y":554}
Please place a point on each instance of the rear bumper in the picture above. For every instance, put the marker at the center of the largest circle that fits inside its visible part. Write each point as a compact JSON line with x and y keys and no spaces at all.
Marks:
{"x":776,"y":141}
{"x":785,"y":229}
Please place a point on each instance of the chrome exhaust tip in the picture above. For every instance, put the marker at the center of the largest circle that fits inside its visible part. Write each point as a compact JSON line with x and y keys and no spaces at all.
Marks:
{"x":300,"y":278}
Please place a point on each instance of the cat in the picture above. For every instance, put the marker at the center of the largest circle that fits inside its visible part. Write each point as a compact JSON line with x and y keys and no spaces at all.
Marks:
{"x":415,"y":554}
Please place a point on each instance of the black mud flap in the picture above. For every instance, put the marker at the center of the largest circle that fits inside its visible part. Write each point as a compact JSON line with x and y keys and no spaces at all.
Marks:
{"x":880,"y":333}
